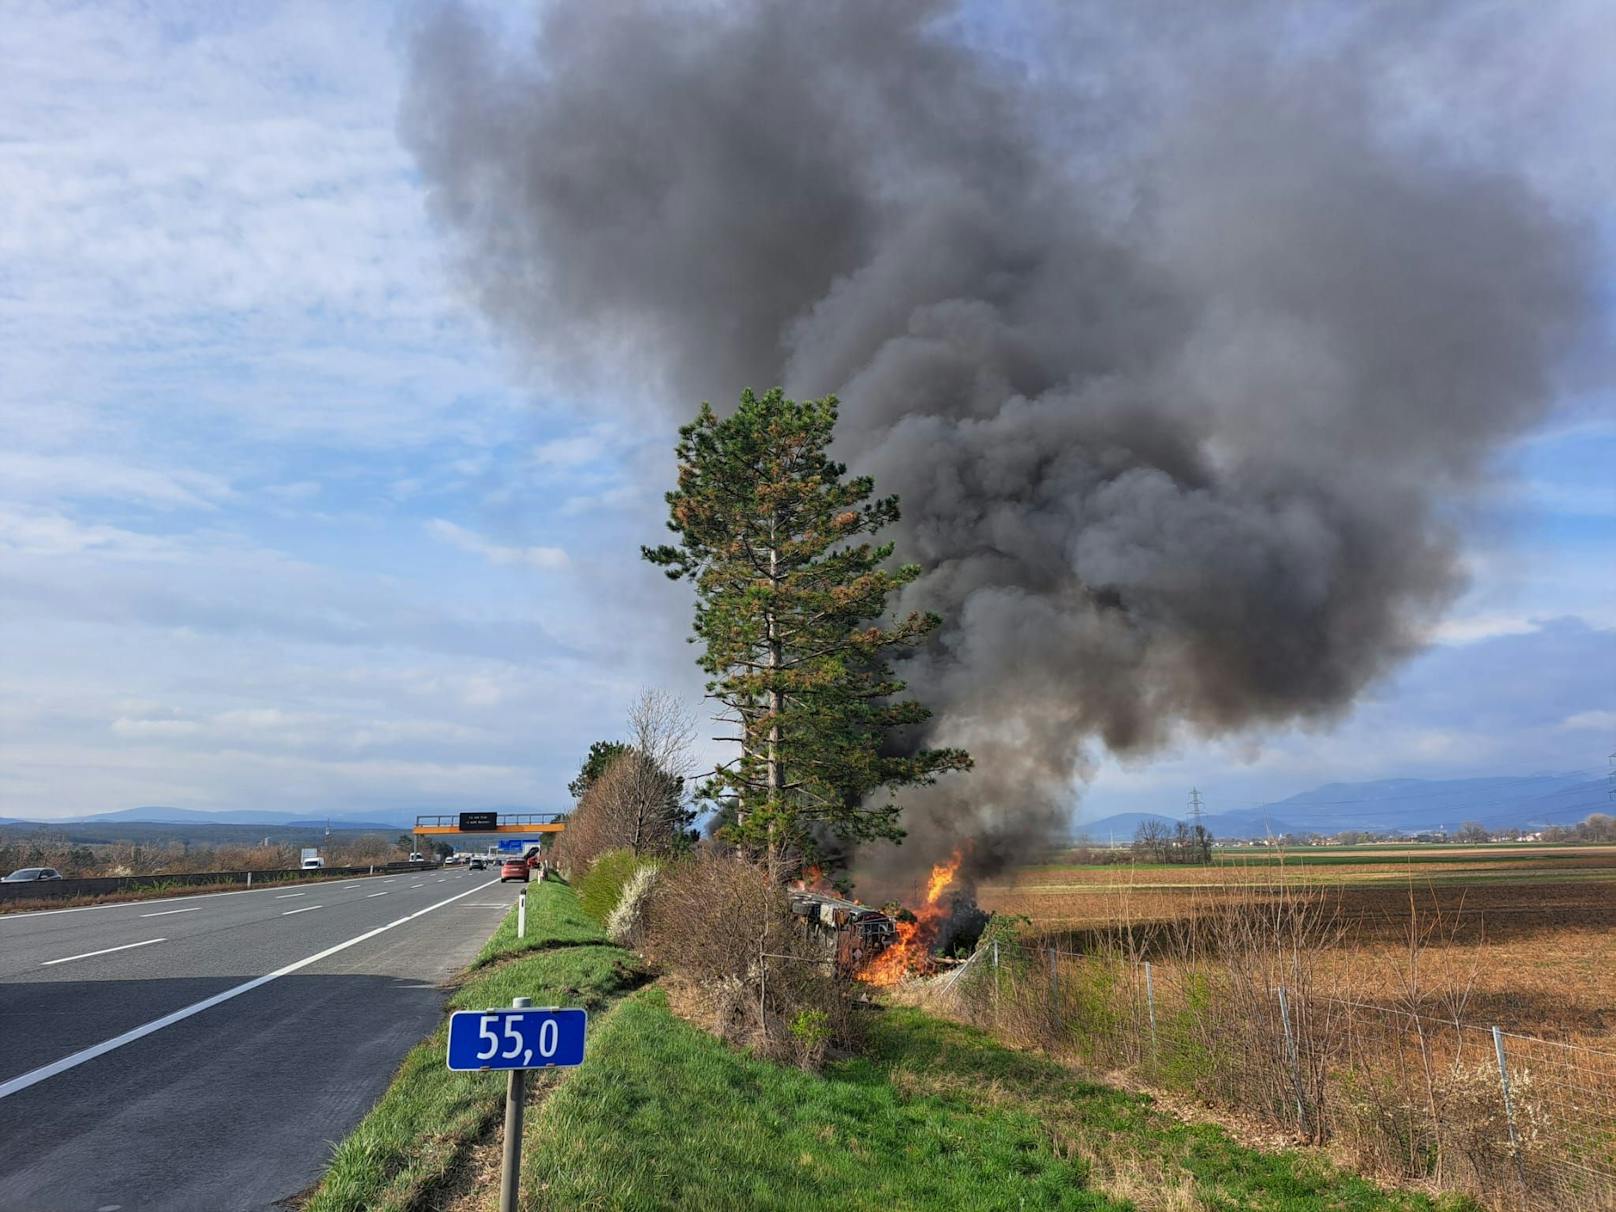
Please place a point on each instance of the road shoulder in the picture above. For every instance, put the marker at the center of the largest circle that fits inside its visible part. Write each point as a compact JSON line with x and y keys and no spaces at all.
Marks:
{"x":417,"y":1146}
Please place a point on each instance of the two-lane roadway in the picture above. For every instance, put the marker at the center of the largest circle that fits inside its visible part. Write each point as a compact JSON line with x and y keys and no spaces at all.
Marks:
{"x":204,"y":1052}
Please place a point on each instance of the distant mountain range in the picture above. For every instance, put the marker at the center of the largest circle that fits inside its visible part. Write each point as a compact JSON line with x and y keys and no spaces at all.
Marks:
{"x":1382,"y":806}
{"x":385,"y":819}
{"x":1396,"y":806}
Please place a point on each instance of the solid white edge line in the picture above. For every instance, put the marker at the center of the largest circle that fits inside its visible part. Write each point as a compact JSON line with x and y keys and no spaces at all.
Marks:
{"x":103,"y":951}
{"x":281,"y":896}
{"x":305,"y":909}
{"x":166,"y":912}
{"x":35,"y":1076}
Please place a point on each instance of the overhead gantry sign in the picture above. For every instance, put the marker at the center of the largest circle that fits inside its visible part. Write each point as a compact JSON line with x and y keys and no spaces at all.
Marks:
{"x":489,"y":822}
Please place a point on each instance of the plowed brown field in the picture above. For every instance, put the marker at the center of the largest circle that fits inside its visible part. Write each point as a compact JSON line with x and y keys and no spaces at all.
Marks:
{"x":1522,"y":937}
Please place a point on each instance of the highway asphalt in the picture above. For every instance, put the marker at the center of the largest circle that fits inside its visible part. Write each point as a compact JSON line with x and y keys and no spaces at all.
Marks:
{"x":205,"y":1052}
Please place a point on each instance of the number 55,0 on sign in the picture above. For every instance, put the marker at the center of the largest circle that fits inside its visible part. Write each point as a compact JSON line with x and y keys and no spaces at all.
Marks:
{"x":516,"y":1039}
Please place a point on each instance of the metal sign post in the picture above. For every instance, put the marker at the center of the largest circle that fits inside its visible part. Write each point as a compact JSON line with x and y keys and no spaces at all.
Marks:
{"x":510,"y":1171}
{"x":516,"y":1040}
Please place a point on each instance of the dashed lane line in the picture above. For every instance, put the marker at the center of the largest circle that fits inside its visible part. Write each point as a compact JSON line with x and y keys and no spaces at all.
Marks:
{"x":35,"y":1076}
{"x":104,"y":951}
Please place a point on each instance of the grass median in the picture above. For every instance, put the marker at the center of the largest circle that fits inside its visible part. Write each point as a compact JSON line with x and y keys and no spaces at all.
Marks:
{"x":421,"y":1131}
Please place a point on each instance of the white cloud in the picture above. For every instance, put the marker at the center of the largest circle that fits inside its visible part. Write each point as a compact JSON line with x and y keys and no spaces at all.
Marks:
{"x":27,"y":532}
{"x":622,"y":496}
{"x":37,"y":476}
{"x":1591,"y":721}
{"x":575,"y":451}
{"x":496,"y":553}
{"x":1473,"y":628}
{"x":301,"y":490}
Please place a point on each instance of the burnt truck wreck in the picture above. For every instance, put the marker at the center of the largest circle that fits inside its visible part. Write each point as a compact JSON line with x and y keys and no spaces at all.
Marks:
{"x":850,"y":933}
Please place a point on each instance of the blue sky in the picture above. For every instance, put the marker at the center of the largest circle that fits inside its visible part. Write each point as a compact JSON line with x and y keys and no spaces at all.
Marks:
{"x":283,"y":526}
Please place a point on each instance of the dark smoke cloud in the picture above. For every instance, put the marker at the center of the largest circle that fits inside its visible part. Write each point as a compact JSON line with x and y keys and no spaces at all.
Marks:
{"x":1178,"y":348}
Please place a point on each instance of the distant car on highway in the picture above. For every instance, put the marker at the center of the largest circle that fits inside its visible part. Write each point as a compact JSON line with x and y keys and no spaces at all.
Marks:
{"x":513,"y":869}
{"x":27,"y":875}
{"x":477,"y":864}
{"x":417,"y":857}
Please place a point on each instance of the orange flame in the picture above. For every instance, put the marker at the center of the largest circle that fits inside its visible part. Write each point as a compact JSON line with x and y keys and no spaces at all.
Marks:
{"x":942,"y":875}
{"x":911,"y":950}
{"x":811,"y":877}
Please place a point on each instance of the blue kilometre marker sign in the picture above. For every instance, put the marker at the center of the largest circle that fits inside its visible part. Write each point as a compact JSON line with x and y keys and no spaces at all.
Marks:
{"x":516,"y":1038}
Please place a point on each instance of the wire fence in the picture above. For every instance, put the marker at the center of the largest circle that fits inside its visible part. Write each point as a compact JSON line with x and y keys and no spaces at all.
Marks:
{"x":1513,"y":1120}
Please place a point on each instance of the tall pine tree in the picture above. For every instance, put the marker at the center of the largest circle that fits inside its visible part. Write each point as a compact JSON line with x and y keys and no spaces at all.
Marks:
{"x":790,"y":603}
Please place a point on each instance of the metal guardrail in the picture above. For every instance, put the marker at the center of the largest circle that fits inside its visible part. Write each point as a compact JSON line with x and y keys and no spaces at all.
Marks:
{"x":65,"y":889}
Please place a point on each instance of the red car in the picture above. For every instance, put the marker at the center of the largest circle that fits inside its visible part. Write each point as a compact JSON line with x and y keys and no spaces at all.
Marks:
{"x":513,"y":869}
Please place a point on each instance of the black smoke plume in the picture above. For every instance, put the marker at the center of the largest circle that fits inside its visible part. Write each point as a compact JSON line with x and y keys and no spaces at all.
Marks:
{"x":1182,"y":348}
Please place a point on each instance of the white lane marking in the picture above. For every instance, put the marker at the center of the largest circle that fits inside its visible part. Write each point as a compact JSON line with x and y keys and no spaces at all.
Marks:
{"x":137,"y":904}
{"x":104,"y":951}
{"x":368,"y":895}
{"x":166,"y":912}
{"x":416,"y":885}
{"x":281,"y":896}
{"x":390,"y":879}
{"x":350,"y":885}
{"x":305,"y":909}
{"x":34,"y":1076}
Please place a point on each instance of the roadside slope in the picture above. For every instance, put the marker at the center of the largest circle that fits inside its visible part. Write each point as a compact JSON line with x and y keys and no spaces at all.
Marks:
{"x":412,"y":1144}
{"x":662,"y":1115}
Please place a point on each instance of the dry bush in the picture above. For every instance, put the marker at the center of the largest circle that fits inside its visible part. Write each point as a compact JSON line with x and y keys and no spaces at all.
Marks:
{"x":365,"y":850}
{"x":724,"y":928}
{"x":610,"y":816}
{"x":637,"y":802}
{"x":1219,"y":1025}
{"x":1397,"y":1079}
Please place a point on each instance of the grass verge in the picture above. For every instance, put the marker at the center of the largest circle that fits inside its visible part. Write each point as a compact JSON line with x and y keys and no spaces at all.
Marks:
{"x":419,"y":1133}
{"x":663,"y":1116}
{"x":934,"y":1115}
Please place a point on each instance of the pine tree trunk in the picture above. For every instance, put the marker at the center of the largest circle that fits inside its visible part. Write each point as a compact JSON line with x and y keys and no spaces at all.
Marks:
{"x":774,"y":659}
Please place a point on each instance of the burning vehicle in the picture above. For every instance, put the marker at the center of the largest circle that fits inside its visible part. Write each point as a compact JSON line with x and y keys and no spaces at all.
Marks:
{"x":855,"y":933}
{"x":882,"y":948}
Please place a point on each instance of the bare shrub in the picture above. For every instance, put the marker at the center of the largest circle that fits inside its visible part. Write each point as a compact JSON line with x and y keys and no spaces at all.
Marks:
{"x":723,"y":927}
{"x":638,"y":802}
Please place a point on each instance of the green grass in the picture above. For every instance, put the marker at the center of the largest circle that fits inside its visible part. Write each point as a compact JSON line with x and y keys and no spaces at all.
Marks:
{"x":662,"y":1115}
{"x":554,"y":919}
{"x":423,"y":1127}
{"x":935,"y":1115}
